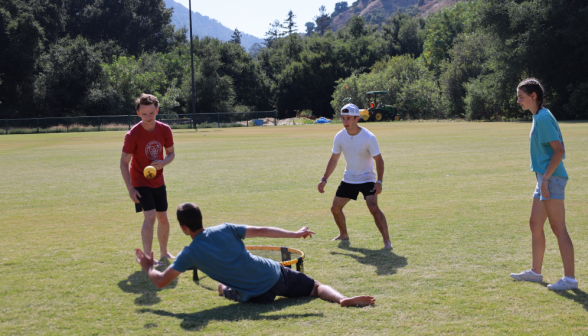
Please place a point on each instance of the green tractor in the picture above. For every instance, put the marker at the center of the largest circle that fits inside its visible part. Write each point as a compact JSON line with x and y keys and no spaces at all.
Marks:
{"x":377,"y":111}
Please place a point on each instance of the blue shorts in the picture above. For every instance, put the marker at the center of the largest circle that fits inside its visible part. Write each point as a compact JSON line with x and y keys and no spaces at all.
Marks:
{"x":556,"y":188}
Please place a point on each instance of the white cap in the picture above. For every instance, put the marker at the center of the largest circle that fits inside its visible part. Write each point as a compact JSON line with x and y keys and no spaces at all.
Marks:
{"x":350,"y":110}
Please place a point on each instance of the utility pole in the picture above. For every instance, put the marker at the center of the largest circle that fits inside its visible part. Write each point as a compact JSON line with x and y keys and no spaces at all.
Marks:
{"x":192,"y":58}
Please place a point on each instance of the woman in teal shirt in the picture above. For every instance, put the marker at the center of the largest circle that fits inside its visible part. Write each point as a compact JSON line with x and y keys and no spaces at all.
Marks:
{"x":547,"y":153}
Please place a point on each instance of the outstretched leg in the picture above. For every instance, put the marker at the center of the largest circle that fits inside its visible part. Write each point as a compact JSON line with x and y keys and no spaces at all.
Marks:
{"x":379,"y":218}
{"x":339,"y":216}
{"x":329,"y":293}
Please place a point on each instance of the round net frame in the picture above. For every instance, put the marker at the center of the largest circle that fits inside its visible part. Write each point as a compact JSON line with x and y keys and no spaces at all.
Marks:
{"x":288,"y":256}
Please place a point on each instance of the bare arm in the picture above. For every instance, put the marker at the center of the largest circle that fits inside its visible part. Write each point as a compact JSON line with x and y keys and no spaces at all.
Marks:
{"x":160,"y":279}
{"x":330,"y":169}
{"x":125,"y":159}
{"x":558,"y":153}
{"x":273,"y":232}
{"x":169,"y":157}
{"x":380,"y":171}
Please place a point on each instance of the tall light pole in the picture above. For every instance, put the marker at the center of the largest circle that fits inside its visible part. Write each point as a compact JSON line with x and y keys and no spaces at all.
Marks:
{"x":192,"y":57}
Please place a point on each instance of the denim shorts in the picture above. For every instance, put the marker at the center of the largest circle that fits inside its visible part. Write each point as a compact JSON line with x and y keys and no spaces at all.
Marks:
{"x":556,"y":188}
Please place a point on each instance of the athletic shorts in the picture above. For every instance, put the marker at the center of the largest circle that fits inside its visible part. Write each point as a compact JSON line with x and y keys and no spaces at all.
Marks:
{"x":151,"y":198}
{"x":291,"y":284}
{"x":349,"y":190}
{"x":556,"y":188}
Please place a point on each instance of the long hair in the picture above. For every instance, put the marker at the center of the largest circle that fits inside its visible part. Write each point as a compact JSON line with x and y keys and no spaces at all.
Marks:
{"x":531,"y":85}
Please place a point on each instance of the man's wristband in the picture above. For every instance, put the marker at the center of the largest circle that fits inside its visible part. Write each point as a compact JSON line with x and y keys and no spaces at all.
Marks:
{"x":378,"y":181}
{"x":323,"y":179}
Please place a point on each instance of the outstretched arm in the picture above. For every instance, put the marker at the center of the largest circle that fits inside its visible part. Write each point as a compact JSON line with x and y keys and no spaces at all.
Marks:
{"x":160,"y":279}
{"x":273,"y":232}
{"x":330,"y":169}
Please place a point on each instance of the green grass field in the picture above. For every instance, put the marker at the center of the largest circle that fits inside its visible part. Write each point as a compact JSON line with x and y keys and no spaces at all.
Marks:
{"x":457,"y":197}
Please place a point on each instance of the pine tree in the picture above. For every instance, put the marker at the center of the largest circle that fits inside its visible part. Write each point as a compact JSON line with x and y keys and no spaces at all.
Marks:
{"x":289,"y":25}
{"x":236,"y":37}
{"x":323,"y":21}
{"x":273,"y":33}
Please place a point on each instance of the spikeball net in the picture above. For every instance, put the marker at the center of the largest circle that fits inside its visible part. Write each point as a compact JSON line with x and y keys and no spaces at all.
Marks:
{"x":286,"y":256}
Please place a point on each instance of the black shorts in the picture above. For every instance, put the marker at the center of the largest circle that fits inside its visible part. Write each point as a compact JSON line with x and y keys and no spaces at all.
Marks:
{"x":349,"y":190}
{"x":151,"y":198}
{"x":291,"y":284}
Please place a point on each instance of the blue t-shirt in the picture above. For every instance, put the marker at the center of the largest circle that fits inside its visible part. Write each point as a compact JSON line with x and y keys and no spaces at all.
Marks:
{"x":219,"y":252}
{"x":545,"y":129}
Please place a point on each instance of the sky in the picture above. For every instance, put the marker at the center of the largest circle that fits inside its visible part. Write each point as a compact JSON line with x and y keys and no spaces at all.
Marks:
{"x":254,"y":16}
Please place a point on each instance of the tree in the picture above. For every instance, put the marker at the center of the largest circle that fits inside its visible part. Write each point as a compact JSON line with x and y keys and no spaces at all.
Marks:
{"x":68,"y":70}
{"x":340,"y":7}
{"x":323,"y":21}
{"x":310,"y":28}
{"x":236,"y":37}
{"x":289,"y":24}
{"x":273,"y":33}
{"x":255,"y":49}
{"x":136,"y":25}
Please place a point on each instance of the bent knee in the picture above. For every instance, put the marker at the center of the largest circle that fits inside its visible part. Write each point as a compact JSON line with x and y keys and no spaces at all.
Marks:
{"x":315,"y":289}
{"x":336,"y":210}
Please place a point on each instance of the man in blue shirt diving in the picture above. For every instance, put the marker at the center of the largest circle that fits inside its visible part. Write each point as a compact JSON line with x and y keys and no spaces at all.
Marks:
{"x":219,"y":252}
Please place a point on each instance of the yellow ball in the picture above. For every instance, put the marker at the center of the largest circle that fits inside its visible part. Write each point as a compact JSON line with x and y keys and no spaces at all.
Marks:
{"x":149,"y":172}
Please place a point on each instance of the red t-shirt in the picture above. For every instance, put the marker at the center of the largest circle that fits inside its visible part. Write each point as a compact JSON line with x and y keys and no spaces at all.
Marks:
{"x":147,"y":147}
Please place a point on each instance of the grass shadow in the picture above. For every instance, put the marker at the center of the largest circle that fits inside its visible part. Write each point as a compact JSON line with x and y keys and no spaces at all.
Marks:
{"x":386,"y":261}
{"x":235,"y":312}
{"x":576,"y":295}
{"x":139,"y":283}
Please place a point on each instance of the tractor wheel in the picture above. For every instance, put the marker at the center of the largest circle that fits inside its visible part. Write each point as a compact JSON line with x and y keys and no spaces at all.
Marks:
{"x":379,"y":116}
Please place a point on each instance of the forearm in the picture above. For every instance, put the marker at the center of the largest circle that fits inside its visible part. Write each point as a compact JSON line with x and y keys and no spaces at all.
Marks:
{"x":331,"y":167}
{"x":155,"y":276}
{"x":126,"y":175}
{"x":268,"y":232}
{"x":555,"y":160}
{"x":169,"y":158}
{"x":380,"y":170}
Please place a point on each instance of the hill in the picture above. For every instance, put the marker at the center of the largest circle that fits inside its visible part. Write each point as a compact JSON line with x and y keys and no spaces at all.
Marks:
{"x":206,"y":26}
{"x":377,"y":11}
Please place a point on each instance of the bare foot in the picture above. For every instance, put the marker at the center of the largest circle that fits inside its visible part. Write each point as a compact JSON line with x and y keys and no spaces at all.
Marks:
{"x":341,"y":237}
{"x":387,"y":245}
{"x":167,"y":255}
{"x":363,"y":300}
{"x":221,"y":288}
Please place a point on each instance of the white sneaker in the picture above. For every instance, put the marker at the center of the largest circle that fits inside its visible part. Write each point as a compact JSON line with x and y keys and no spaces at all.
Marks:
{"x":527,"y":276}
{"x":562,"y":285}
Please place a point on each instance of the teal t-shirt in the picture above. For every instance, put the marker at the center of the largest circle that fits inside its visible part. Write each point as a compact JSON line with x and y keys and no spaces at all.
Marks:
{"x":545,"y":129}
{"x":219,"y":252}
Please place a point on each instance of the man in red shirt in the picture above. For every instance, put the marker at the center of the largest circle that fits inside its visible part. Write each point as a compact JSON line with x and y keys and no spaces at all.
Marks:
{"x":143,"y":147}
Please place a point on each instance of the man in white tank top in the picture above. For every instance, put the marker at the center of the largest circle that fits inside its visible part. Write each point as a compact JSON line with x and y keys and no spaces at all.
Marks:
{"x":361,"y":149}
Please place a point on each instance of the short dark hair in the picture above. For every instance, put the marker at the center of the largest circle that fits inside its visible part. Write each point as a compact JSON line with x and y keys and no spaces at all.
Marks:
{"x":190,"y":216}
{"x":146,"y":99}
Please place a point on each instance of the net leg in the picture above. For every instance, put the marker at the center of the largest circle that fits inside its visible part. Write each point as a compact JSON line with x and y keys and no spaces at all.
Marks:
{"x":286,"y":255}
{"x":300,"y":265}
